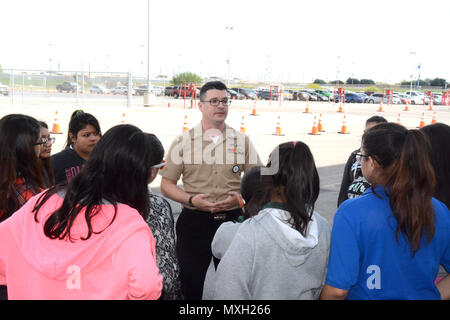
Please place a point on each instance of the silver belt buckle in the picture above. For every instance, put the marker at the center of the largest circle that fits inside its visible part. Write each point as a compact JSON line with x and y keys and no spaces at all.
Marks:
{"x":219,"y":216}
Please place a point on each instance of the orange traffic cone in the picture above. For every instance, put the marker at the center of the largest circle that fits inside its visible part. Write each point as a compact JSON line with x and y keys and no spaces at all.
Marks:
{"x":123,"y":119}
{"x":341,"y":109}
{"x":306,"y":108}
{"x":254,"y":113}
{"x":422,"y":121}
{"x":56,"y":129}
{"x":243,"y":129}
{"x":320,"y":126}
{"x":380,"y":109}
{"x":406,"y":107}
{"x":315,"y":130}
{"x":185,"y":125}
{"x":168,"y":105}
{"x":278,"y":128}
{"x":430,"y":105}
{"x":433,"y":121}
{"x":398,"y":120}
{"x":344,"y":127}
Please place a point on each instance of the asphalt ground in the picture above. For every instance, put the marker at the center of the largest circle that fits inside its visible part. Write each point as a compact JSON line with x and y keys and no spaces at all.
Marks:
{"x":165,"y":118}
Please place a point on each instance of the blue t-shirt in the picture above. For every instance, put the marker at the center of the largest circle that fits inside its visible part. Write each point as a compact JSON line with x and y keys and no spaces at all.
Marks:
{"x":366,"y":259}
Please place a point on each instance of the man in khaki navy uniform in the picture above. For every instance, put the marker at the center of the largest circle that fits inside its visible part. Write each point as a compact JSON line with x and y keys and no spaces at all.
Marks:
{"x":210,"y":158}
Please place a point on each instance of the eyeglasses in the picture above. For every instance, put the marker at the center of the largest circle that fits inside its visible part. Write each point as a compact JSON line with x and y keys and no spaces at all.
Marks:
{"x":45,"y":141}
{"x":359,"y":157}
{"x":215,"y":102}
{"x":160,"y":166}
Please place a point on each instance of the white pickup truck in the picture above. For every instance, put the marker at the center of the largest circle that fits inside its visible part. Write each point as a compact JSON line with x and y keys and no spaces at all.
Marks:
{"x":4,"y":90}
{"x":416,"y":97}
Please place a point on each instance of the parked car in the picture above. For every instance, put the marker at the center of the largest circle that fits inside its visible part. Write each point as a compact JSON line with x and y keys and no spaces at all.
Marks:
{"x":376,"y":98}
{"x":98,"y":89}
{"x":167,"y":90}
{"x":416,"y":97}
{"x":404,"y":99}
{"x":320,"y":97}
{"x":248,"y":93}
{"x":235,"y":95}
{"x":141,"y":90}
{"x":287,"y":96}
{"x":311,"y":97}
{"x":302,"y":96}
{"x":4,"y":90}
{"x":363,"y":95}
{"x":266,"y":95}
{"x":180,"y":91}
{"x":157,"y":90}
{"x":325,"y":93}
{"x":351,"y":97}
{"x":68,"y":87}
{"x":437,"y":99}
{"x":122,"y":90}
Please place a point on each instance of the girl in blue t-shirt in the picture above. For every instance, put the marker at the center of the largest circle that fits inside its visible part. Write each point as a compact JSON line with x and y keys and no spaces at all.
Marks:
{"x":389,"y":243}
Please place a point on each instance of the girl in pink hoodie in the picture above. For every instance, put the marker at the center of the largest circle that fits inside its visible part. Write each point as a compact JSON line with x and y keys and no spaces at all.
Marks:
{"x":88,"y":240}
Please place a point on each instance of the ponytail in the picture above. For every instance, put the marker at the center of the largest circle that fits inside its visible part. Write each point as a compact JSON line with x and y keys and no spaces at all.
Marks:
{"x":409,"y":175}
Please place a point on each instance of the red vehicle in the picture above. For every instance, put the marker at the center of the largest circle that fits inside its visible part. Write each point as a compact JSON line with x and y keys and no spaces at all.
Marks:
{"x":181,"y":91}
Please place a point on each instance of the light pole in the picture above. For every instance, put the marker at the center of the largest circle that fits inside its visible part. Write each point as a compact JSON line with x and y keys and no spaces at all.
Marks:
{"x":228,"y":60}
{"x":418,"y":76}
{"x":148,"y":46}
{"x":410,"y":85}
{"x":353,"y":64}
{"x":49,"y":58}
{"x":337,"y":70}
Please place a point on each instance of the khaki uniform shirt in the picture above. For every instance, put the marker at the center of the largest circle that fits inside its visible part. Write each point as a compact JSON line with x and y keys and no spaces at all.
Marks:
{"x":208,"y":167}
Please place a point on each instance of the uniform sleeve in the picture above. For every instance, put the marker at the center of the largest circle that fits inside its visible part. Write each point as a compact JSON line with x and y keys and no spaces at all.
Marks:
{"x":137,"y":259}
{"x":174,"y":163}
{"x":234,"y":271}
{"x":343,"y":263}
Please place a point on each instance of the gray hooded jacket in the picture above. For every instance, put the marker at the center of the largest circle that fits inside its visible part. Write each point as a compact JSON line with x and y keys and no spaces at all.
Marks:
{"x":268,"y":259}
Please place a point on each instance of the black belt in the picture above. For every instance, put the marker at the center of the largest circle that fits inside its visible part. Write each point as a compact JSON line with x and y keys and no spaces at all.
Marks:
{"x":220,"y":216}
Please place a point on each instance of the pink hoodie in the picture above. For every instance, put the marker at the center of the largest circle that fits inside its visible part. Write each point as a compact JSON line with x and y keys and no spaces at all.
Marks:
{"x":118,"y":263}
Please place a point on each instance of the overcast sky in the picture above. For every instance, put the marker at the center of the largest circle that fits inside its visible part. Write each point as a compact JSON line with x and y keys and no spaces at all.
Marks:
{"x":286,"y":40}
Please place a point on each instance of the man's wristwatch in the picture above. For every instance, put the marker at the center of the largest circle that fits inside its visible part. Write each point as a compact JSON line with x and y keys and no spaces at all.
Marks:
{"x":190,"y":201}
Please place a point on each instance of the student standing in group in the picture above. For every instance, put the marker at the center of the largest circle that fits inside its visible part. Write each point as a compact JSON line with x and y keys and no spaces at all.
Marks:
{"x":83,"y":134}
{"x":439,"y":135}
{"x":282,"y":251}
{"x":353,"y":182}
{"x":45,"y":154}
{"x":210,"y":158}
{"x":88,"y":239}
{"x":250,"y":187}
{"x":20,"y":168}
{"x":161,"y":222}
{"x":389,"y":243}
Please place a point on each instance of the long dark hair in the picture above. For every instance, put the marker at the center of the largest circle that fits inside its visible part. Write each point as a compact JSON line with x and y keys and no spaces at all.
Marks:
{"x":46,"y":163}
{"x":117,"y":172}
{"x":296,"y":181}
{"x":251,"y":191}
{"x":408,"y":177}
{"x":78,"y":121}
{"x":439,"y":135}
{"x":18,"y":136}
